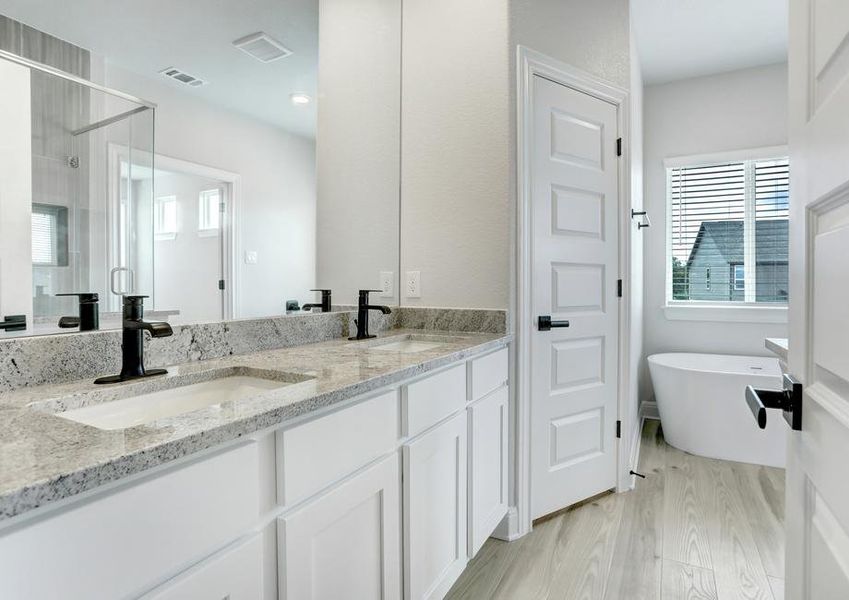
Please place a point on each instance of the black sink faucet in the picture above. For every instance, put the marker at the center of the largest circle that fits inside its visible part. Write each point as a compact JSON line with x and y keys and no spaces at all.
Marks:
{"x":325,"y":301}
{"x":89,"y":314}
{"x":362,"y":315}
{"x":132,"y":346}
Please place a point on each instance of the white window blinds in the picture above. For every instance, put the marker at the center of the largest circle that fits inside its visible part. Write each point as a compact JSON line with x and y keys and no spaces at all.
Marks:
{"x":728,"y":232}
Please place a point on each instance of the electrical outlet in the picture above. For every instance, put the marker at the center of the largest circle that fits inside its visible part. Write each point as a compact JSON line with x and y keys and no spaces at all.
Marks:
{"x":414,"y":284}
{"x":387,"y":281}
{"x":250,"y":257}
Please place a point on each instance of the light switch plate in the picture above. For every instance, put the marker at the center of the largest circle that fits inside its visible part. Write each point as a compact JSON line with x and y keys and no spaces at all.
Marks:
{"x":387,"y":284}
{"x":250,"y":257}
{"x":414,"y":284}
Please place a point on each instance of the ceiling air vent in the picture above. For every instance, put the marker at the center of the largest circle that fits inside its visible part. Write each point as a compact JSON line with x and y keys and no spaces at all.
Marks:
{"x":262,"y":47}
{"x":183,"y":77}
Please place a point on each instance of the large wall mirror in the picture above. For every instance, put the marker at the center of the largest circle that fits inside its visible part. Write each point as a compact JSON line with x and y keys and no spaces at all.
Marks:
{"x":222,"y":158}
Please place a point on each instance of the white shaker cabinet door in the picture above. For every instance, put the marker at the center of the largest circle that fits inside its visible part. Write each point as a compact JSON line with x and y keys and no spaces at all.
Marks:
{"x":435,"y":510}
{"x":345,"y":543}
{"x":487,"y":466}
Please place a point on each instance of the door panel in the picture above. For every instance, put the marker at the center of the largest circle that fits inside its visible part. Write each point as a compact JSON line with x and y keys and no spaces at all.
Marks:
{"x":575,"y":265}
{"x":817,"y":519}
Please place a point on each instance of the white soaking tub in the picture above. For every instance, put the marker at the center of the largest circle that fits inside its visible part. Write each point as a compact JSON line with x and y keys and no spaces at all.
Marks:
{"x":702,"y":405}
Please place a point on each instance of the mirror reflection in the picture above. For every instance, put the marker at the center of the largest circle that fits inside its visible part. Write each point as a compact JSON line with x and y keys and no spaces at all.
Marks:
{"x":225,"y":171}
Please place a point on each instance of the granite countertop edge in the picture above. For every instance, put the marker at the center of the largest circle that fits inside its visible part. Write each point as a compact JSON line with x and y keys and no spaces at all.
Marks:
{"x":41,"y":492}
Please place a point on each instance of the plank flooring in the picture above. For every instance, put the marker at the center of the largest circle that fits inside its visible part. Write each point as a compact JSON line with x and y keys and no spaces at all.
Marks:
{"x":694,"y":529}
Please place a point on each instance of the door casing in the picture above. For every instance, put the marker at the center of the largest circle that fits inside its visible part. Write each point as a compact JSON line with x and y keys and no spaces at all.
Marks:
{"x":530,"y":63}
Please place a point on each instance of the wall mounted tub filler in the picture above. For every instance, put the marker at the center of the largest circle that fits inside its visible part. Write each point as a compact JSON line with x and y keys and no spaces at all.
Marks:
{"x":132,"y":346}
{"x":362,"y":315}
{"x":88,"y":317}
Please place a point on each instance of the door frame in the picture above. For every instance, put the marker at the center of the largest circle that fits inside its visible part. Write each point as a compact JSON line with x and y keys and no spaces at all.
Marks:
{"x":530,"y":63}
{"x":231,"y":239}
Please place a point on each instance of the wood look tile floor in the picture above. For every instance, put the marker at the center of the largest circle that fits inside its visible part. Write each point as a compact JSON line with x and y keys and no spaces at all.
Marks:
{"x":694,"y":529}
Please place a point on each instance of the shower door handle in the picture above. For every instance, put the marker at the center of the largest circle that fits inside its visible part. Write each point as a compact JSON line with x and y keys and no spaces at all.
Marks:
{"x":131,"y":281}
{"x":544,"y":323}
{"x":789,"y":400}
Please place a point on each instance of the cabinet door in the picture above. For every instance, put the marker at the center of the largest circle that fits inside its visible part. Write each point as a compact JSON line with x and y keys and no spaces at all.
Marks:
{"x":487,"y":466}
{"x":345,"y":543}
{"x":435,"y":510}
{"x":234,"y":574}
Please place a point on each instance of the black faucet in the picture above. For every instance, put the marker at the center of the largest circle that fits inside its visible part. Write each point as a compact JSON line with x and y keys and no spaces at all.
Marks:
{"x":325,"y":301}
{"x":132,"y":346}
{"x":14,"y":323}
{"x":89,"y":314}
{"x":362,"y":315}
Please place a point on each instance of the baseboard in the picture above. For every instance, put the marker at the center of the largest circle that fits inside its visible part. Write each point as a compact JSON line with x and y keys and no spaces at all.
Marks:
{"x":508,"y":529}
{"x":648,"y":410}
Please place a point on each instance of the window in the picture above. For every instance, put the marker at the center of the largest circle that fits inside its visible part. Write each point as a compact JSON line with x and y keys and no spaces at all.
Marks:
{"x":739,"y":274}
{"x":165,"y":218}
{"x":49,"y":235}
{"x":728,"y":232}
{"x":209,"y":211}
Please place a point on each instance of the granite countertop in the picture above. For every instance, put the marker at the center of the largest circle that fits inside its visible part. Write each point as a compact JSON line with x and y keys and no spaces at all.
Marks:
{"x":44,"y":457}
{"x":777,"y":346}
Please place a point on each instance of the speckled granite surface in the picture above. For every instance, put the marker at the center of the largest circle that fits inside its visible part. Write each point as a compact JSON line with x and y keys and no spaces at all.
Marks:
{"x":44,"y":457}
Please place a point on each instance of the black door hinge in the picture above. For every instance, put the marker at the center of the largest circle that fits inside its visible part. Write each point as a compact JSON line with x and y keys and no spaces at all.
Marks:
{"x":619,"y":287}
{"x":220,"y":284}
{"x":618,"y":146}
{"x":618,"y":429}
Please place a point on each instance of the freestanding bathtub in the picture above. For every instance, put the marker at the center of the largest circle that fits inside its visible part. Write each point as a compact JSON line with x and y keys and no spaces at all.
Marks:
{"x":701,"y":400}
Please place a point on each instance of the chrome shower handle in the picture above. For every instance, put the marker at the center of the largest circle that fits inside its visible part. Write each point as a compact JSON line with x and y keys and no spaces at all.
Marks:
{"x":131,"y":280}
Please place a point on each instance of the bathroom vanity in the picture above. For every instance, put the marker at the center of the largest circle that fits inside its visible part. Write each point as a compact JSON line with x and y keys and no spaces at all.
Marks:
{"x":339,"y":469}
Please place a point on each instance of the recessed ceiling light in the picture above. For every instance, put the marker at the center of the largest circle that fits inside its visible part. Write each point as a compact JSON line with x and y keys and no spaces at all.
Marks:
{"x":300,"y":99}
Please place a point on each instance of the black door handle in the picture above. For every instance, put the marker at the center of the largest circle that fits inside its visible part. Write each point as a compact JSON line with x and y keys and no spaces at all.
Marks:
{"x":544,"y":323}
{"x":789,"y":400}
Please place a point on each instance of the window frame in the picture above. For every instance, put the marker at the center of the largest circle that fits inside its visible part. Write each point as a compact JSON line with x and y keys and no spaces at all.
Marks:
{"x":158,"y":202}
{"x":712,"y":310}
{"x":203,"y":195}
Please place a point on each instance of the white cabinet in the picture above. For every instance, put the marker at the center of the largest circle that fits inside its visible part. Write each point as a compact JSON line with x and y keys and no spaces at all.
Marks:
{"x":233,"y":574}
{"x":435,"y":509}
{"x":487,"y":466}
{"x":345,"y":543}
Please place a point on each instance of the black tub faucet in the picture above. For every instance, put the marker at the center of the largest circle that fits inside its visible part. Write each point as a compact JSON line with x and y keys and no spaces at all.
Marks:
{"x":88,"y":318}
{"x":325,"y":301}
{"x":132,"y":346}
{"x":362,"y":315}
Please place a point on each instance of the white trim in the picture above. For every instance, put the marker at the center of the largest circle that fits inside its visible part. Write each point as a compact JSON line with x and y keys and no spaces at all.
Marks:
{"x":695,"y":160}
{"x":738,"y":312}
{"x":508,"y":529}
{"x":648,"y":410}
{"x":530,"y":63}
{"x":230,"y":225}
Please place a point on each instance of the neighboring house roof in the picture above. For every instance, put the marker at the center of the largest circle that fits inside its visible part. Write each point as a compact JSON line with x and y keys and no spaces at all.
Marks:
{"x":771,"y":240}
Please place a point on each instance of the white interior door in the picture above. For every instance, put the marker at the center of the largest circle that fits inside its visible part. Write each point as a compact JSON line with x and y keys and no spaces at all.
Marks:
{"x":817,"y":518}
{"x":574,"y":178}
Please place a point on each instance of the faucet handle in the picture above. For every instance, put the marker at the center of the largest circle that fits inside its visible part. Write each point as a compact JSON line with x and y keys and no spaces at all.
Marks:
{"x":85,"y":297}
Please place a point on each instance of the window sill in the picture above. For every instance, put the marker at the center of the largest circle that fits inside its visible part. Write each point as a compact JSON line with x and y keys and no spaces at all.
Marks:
{"x":747,"y":313}
{"x":207,"y":232}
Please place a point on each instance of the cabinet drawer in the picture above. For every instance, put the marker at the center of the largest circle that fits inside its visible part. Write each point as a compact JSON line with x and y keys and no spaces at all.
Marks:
{"x":428,"y":401}
{"x":118,"y":544}
{"x":234,"y":574}
{"x":314,"y":455}
{"x":488,"y":373}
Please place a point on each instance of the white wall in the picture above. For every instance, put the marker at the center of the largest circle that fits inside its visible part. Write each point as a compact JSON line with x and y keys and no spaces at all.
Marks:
{"x":637,"y":235}
{"x":358,"y":146}
{"x":278,"y":186}
{"x":15,"y":192}
{"x":742,"y":109}
{"x":456,"y":157}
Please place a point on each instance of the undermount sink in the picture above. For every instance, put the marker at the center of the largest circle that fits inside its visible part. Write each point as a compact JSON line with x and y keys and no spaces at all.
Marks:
{"x":409,"y":343}
{"x":225,"y":386}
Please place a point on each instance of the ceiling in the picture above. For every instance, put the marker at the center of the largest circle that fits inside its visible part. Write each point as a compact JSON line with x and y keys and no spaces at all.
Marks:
{"x":147,"y":36}
{"x":678,"y":39}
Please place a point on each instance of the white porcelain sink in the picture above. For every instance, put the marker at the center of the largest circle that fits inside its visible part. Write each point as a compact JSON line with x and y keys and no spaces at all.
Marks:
{"x":413,"y":342}
{"x":145,"y":408}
